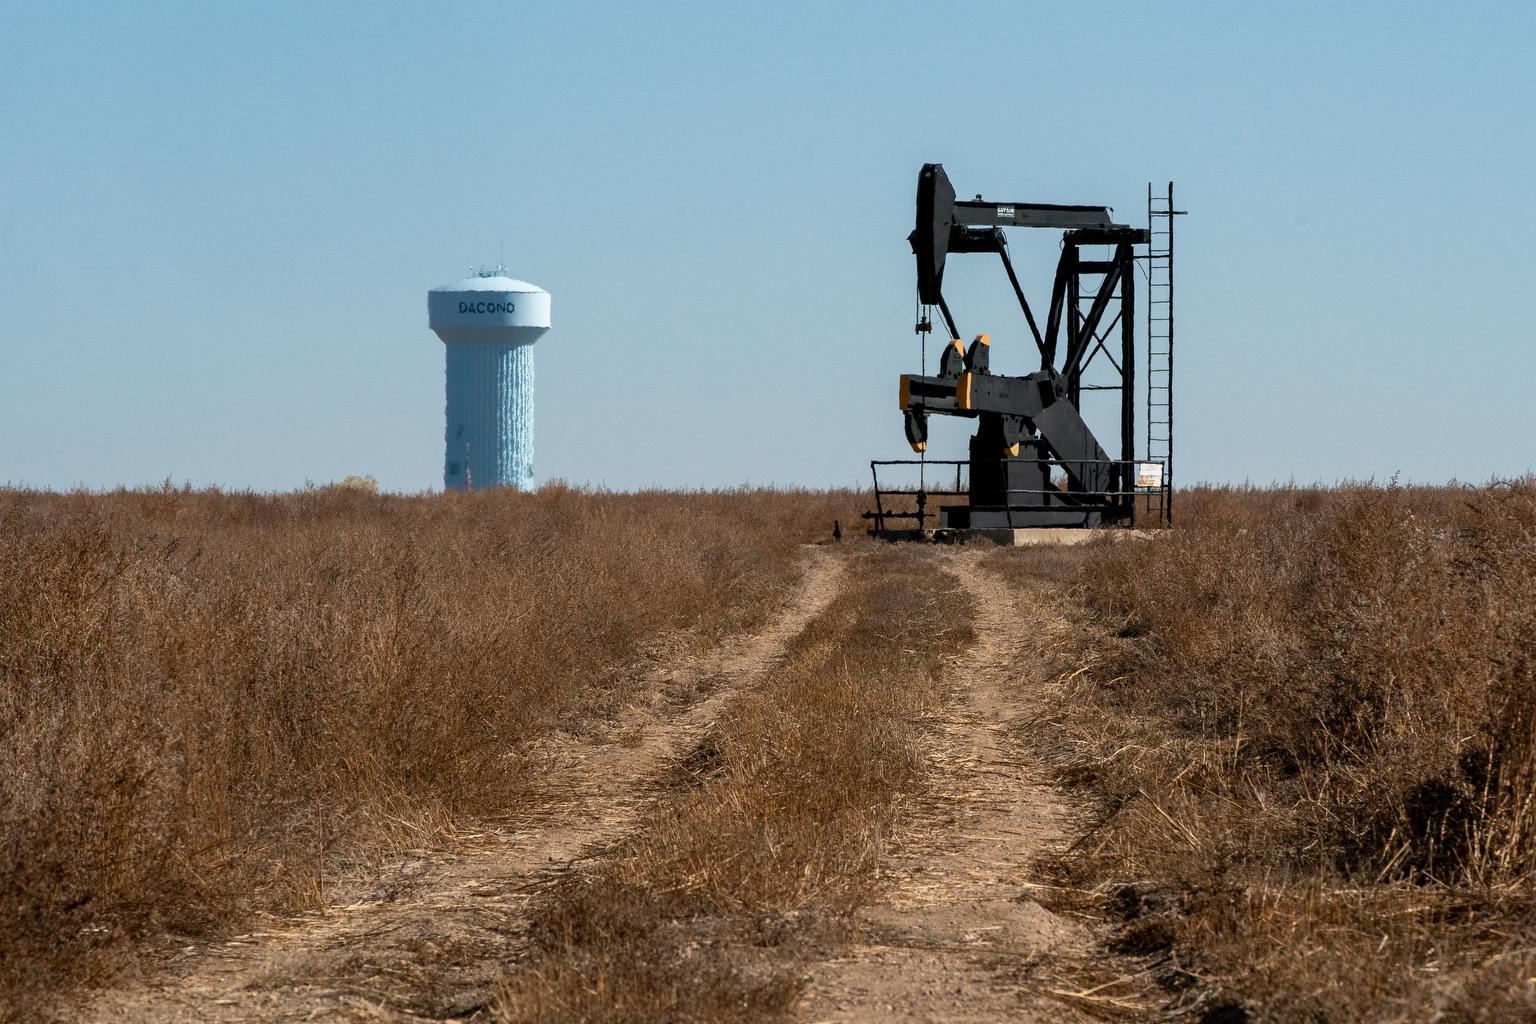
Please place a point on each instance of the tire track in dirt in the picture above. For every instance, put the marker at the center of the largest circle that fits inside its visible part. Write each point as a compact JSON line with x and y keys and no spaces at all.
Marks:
{"x":431,"y":938}
{"x":955,"y":935}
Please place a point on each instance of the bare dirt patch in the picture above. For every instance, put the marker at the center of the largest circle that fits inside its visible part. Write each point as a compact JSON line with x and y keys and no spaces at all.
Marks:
{"x":428,"y":938}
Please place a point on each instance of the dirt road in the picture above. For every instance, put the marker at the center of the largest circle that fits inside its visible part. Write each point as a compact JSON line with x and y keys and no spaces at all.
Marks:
{"x":953,"y":935}
{"x":956,"y":935}
{"x":429,"y":938}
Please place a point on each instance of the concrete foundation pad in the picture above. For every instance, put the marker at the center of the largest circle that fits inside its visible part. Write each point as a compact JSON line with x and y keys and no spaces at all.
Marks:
{"x":1024,"y":538}
{"x":1053,"y":535}
{"x":1020,"y":538}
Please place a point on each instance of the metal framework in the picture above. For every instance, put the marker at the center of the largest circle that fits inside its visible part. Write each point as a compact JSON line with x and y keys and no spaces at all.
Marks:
{"x":1033,"y":460}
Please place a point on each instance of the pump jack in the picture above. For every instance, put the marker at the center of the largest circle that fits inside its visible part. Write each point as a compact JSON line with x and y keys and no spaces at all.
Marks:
{"x":1028,"y":425}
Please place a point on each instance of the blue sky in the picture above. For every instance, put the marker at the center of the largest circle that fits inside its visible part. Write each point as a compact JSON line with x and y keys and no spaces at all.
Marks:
{"x":218,"y":223}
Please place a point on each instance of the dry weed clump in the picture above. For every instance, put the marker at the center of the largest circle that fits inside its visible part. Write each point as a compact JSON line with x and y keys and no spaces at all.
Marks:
{"x":774,"y":832}
{"x":207,"y":700}
{"x":1309,"y":714}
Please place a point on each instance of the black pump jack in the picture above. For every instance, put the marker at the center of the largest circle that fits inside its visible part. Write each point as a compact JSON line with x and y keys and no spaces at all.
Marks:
{"x":1029,"y":425}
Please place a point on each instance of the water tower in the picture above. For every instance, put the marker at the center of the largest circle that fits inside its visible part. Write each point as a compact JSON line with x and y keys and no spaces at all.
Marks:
{"x":488,"y":324}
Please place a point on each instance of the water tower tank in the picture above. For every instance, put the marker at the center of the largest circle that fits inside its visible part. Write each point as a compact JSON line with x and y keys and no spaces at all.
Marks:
{"x":488,"y":324}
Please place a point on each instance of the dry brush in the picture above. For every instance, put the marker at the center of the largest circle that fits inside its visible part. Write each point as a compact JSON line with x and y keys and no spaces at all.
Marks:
{"x":1308,"y":717}
{"x":774,"y":831}
{"x":211,"y":703}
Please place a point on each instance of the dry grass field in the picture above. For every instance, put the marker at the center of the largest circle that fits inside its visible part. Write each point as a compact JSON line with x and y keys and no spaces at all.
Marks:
{"x":574,"y":756}
{"x":1308,"y":719}
{"x":209,"y":702}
